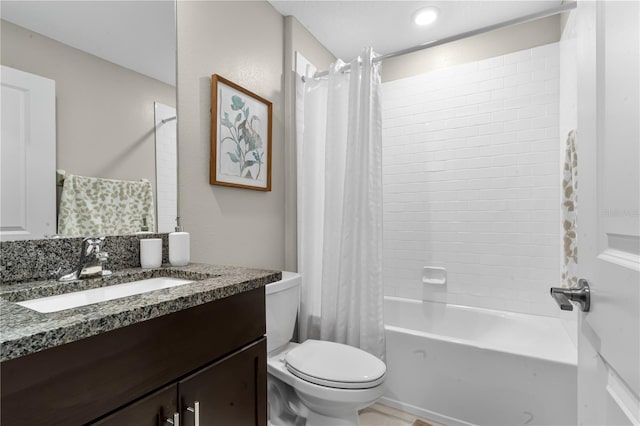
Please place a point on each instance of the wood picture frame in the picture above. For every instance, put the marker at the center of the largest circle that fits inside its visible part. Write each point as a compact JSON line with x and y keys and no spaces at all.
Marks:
{"x":241,"y":133}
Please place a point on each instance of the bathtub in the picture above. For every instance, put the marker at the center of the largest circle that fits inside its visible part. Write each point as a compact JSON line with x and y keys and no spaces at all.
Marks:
{"x":460,"y":365}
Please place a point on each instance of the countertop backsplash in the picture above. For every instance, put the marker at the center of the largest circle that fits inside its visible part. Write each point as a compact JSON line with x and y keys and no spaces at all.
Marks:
{"x":35,"y":260}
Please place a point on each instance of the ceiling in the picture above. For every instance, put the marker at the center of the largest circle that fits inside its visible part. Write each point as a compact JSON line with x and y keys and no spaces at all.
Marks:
{"x":346,"y":27}
{"x":138,"y":35}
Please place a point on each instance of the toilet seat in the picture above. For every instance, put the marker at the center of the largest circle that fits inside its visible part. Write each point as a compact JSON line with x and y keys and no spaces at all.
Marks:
{"x":335,"y":365}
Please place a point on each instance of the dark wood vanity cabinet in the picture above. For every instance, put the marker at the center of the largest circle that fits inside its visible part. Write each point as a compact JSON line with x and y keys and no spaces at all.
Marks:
{"x":230,"y":392}
{"x":152,"y":410}
{"x":142,"y":374}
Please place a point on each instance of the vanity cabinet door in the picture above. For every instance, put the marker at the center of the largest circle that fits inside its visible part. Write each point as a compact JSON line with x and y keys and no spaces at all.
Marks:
{"x":152,"y":410}
{"x":231,"y":391}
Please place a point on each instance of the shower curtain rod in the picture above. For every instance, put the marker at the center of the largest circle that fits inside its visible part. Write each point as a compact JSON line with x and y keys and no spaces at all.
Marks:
{"x":532,"y":17}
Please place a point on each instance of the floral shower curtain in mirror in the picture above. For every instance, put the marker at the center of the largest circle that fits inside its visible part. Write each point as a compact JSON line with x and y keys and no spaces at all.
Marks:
{"x":339,"y":153}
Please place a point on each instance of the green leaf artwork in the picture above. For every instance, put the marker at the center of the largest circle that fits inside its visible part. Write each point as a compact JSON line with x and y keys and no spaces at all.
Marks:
{"x":244,"y":147}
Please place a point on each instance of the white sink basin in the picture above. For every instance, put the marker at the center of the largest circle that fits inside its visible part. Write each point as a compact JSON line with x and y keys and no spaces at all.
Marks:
{"x":95,"y":295}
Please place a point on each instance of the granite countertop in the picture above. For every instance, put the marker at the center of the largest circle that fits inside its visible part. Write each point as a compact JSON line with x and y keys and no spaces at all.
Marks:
{"x":24,"y":331}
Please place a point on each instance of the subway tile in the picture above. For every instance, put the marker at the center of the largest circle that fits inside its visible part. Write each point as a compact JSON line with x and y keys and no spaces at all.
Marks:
{"x":474,"y":182}
{"x":485,"y":64}
{"x":517,"y":102}
{"x":532,"y":111}
{"x":517,"y":125}
{"x":505,"y":93}
{"x":506,"y":115}
{"x":489,"y":85}
{"x":532,"y":88}
{"x":478,"y":98}
{"x":517,"y":79}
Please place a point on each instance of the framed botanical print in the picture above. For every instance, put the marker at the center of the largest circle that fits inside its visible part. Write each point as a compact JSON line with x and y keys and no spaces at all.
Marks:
{"x":241,"y":127}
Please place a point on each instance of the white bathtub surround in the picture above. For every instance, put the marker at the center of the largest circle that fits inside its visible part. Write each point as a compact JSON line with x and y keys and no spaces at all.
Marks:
{"x":471,"y":167}
{"x":340,"y":206}
{"x":478,"y":366}
{"x":434,"y":275}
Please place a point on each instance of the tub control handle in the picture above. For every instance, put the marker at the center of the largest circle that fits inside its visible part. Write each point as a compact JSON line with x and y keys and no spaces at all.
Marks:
{"x":580,"y":294}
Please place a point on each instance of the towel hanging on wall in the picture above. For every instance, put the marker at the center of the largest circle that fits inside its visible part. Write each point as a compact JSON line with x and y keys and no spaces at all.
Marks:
{"x":95,"y":206}
{"x":569,"y":213}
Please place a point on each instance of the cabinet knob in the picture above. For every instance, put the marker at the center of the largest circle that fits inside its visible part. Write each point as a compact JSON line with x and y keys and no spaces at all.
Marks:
{"x":196,"y":413}
{"x":175,"y":421}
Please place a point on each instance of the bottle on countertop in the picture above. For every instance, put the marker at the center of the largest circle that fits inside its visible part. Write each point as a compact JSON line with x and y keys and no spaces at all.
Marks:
{"x":179,"y":250}
{"x":144,"y":228}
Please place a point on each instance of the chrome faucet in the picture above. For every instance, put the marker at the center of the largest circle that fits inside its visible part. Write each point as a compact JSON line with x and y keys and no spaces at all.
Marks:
{"x":91,"y":262}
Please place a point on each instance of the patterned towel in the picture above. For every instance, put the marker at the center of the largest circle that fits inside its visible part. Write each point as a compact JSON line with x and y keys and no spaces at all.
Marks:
{"x":569,"y":213}
{"x":94,"y":206}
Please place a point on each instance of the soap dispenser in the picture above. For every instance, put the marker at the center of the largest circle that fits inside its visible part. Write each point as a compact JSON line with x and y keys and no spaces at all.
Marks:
{"x":144,"y":228}
{"x":179,"y":252}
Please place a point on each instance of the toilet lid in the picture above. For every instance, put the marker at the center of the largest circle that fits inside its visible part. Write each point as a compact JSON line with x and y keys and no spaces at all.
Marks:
{"x":335,"y":365}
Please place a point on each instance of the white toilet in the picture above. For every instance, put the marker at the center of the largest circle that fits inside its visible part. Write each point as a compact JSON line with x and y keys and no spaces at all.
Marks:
{"x":314,"y":383}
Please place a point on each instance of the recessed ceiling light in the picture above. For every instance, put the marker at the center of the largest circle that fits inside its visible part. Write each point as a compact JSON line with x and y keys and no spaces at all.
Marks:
{"x":426,"y":16}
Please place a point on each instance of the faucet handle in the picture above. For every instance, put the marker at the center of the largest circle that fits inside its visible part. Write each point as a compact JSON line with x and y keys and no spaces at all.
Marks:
{"x":93,"y":240}
{"x":102,"y":256}
{"x":91,"y":245}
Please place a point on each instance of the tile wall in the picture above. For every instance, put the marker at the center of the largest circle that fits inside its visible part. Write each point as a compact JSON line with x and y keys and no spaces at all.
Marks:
{"x":471,"y":166}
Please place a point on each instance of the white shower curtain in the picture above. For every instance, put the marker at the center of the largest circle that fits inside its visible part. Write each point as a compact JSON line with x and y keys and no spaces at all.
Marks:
{"x":340,"y":206}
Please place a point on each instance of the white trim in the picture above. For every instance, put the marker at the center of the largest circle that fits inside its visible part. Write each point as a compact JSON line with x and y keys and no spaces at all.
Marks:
{"x":623,"y":397}
{"x":621,"y":258}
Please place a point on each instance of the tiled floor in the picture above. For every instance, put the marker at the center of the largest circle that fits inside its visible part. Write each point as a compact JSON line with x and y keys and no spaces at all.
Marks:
{"x":381,"y":415}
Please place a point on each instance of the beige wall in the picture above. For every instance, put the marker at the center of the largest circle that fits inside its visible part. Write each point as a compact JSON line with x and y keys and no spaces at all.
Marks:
{"x":299,"y":39}
{"x":483,"y":46}
{"x":243,"y":42}
{"x":251,"y":228}
{"x":104,"y":112}
{"x":296,"y":39}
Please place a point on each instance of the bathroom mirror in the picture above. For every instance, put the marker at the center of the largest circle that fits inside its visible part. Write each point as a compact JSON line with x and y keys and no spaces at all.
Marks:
{"x":114,"y":67}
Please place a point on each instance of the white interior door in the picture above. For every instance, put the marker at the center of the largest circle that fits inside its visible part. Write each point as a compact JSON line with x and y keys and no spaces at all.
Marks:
{"x":608,"y":205}
{"x":28,"y":155}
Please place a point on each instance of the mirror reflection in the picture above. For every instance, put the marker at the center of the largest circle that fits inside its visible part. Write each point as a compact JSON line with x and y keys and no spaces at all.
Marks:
{"x":88,"y":90}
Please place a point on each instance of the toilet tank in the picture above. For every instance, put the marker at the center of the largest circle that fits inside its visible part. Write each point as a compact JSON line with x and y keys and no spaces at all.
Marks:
{"x":282,"y":301}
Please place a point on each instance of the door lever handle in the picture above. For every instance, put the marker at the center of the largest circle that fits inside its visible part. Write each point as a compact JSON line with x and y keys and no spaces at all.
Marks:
{"x":580,"y":294}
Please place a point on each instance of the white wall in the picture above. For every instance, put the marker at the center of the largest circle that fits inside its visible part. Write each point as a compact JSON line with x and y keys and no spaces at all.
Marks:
{"x":472,"y":183}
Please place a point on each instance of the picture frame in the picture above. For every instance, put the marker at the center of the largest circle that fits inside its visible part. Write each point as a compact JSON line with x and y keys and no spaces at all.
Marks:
{"x":241,"y":133}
